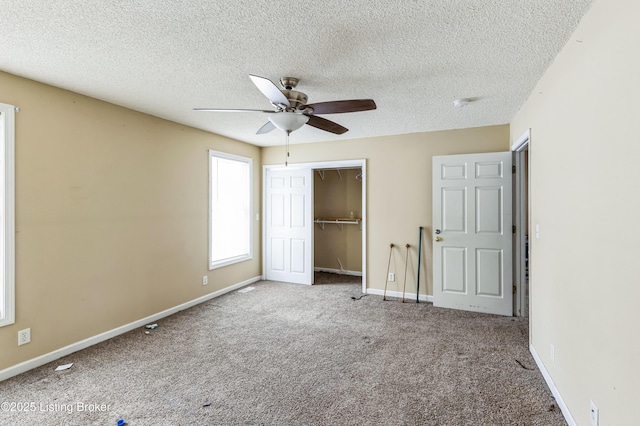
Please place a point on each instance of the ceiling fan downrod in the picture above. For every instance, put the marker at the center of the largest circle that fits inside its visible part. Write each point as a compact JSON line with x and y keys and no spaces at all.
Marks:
{"x":289,"y":83}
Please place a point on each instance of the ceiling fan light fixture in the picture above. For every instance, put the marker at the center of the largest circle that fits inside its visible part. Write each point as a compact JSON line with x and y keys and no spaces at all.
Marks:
{"x":288,"y":121}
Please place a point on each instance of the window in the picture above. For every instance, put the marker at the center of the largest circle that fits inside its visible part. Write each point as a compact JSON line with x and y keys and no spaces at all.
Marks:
{"x":230,"y":195}
{"x":7,"y":234}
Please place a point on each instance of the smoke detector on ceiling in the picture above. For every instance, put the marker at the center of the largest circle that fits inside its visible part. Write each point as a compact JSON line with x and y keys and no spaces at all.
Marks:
{"x":459,"y":103}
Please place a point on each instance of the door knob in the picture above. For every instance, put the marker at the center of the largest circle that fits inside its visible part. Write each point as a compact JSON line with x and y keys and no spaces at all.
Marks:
{"x":438,"y":239}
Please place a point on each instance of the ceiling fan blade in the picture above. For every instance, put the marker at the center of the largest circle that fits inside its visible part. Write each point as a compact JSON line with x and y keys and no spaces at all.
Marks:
{"x":335,"y":107}
{"x":232,"y":110}
{"x":270,"y":90}
{"x":327,"y":125}
{"x":268,"y":126}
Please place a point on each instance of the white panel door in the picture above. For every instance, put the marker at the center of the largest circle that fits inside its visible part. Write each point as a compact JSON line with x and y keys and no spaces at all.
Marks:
{"x":472,"y":220}
{"x":289,"y":225}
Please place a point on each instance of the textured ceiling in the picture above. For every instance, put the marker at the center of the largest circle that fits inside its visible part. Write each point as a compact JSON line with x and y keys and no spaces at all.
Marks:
{"x":412,"y":57}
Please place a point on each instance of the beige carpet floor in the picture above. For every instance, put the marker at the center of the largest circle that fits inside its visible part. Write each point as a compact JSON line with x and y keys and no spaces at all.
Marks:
{"x":286,"y":354}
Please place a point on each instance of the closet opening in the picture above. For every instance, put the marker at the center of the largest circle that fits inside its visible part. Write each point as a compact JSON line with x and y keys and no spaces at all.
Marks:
{"x":338,"y":225}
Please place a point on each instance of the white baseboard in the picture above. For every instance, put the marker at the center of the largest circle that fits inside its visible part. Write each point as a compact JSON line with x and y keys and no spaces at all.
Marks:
{"x":339,"y":271}
{"x":398,"y":294}
{"x":552,"y":387}
{"x":83,"y":344}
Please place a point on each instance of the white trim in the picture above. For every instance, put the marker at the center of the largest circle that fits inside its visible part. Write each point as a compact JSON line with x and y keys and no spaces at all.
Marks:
{"x":83,"y":344}
{"x":363,"y":224}
{"x":552,"y":387}
{"x":361,"y":163}
{"x":520,"y":222}
{"x":243,"y":257}
{"x":522,"y":142}
{"x":7,"y":284}
{"x":408,"y":297}
{"x":339,"y":271}
{"x":338,"y":164}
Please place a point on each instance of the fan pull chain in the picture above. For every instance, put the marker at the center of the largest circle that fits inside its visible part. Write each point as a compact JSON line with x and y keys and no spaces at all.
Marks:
{"x":286,"y":159}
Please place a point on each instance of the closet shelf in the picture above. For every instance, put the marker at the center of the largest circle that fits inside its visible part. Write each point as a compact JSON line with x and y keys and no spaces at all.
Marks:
{"x":337,"y":220}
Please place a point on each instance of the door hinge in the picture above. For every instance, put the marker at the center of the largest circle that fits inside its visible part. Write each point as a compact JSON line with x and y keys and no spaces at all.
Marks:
{"x":513,"y":169}
{"x":514,"y":290}
{"x":513,"y":228}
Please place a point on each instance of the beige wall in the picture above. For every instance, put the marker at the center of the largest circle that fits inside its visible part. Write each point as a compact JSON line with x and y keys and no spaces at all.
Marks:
{"x":398,"y":190}
{"x":111,"y":217}
{"x":585,"y":188}
{"x":336,"y":195}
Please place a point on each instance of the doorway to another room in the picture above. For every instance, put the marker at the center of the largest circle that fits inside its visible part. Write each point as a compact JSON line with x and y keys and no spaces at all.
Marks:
{"x":522,"y":207}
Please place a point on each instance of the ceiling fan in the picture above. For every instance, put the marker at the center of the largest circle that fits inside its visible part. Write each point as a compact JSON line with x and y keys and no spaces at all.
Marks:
{"x":291,"y":108}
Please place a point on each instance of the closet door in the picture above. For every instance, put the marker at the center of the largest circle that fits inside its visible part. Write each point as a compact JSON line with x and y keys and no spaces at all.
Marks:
{"x":289,"y":225}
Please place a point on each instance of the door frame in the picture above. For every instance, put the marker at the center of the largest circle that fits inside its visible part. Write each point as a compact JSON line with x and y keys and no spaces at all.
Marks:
{"x":522,"y":207}
{"x":360,"y":163}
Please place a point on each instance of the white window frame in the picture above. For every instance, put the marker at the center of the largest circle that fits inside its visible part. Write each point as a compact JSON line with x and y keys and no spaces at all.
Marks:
{"x":213,"y":264}
{"x":7,"y":211}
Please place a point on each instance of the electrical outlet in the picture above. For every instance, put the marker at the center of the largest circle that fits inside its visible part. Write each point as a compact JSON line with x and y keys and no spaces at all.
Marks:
{"x":553,"y":354}
{"x":205,"y":280}
{"x":392,"y":276}
{"x":594,"y":414}
{"x":24,"y":336}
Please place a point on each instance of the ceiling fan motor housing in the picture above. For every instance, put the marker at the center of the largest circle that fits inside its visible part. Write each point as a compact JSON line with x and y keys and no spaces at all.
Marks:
{"x":296,"y":99}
